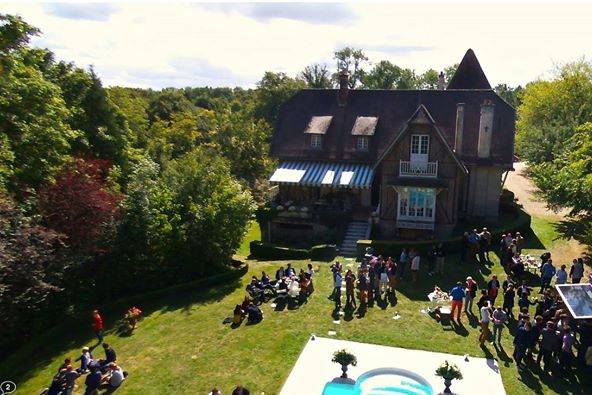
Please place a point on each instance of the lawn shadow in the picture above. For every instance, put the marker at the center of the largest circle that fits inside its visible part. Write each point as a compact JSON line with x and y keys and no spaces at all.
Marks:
{"x":502,"y":355}
{"x":21,"y":367}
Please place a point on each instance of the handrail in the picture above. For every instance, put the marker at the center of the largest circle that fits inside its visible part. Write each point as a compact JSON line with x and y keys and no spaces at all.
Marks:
{"x":418,"y":169}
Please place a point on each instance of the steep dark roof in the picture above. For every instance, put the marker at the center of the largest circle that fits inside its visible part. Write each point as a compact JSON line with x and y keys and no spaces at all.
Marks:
{"x":469,"y":74}
{"x":393,"y":108}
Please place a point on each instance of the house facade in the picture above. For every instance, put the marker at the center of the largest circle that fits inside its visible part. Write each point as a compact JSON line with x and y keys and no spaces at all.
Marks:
{"x":412,"y":162}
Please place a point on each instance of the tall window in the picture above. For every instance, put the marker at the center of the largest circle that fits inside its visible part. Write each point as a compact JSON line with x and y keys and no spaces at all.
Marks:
{"x":316,"y":141}
{"x":420,"y":144}
{"x":417,"y":203}
{"x":362,"y":143}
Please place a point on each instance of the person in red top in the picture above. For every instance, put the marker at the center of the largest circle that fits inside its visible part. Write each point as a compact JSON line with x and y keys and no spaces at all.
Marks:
{"x":98,"y":325}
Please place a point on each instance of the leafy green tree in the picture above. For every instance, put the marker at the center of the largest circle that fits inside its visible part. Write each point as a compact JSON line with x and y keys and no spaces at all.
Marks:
{"x":147,"y":233}
{"x":214,"y":209}
{"x":385,"y":75}
{"x":317,"y":76}
{"x":33,"y":115}
{"x":449,"y":72}
{"x":428,"y":80}
{"x":244,"y":141}
{"x":166,"y":103}
{"x":272,"y":91}
{"x":552,"y":110}
{"x":170,"y":139}
{"x":352,"y":61}
{"x":512,"y":95}
{"x":133,"y":104}
{"x":567,"y":180}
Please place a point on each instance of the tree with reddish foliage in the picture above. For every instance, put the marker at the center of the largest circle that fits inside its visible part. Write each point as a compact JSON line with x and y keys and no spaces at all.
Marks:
{"x":32,"y":266}
{"x":80,"y":204}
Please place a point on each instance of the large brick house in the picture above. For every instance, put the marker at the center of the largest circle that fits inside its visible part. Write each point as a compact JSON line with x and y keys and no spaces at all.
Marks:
{"x":414,"y":161}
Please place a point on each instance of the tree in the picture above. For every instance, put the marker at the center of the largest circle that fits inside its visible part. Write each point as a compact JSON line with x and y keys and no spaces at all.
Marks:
{"x":31,"y":267}
{"x":133,"y":104}
{"x":170,"y":139}
{"x":428,"y":80}
{"x":15,"y":34}
{"x":244,"y":141}
{"x":352,"y":61}
{"x":449,"y":72}
{"x":33,"y":115}
{"x":214,"y":209}
{"x":512,"y":95}
{"x":80,"y":205}
{"x":552,"y":110}
{"x":272,"y":91}
{"x":317,"y":76}
{"x":385,"y":75}
{"x":567,"y":180}
{"x":167,"y":103}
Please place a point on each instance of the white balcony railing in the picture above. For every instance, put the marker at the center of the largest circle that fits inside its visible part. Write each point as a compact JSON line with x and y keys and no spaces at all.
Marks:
{"x":406,"y":224}
{"x":418,"y":169}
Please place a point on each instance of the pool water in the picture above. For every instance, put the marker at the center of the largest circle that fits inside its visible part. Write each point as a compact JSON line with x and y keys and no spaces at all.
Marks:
{"x":383,"y":381}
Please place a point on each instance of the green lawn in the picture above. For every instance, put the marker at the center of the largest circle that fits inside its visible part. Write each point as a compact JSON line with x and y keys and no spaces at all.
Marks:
{"x":182,"y":346}
{"x":254,"y":233}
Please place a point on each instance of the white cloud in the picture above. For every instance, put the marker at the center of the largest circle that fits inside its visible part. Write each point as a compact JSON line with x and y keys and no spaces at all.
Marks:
{"x":179,"y":44}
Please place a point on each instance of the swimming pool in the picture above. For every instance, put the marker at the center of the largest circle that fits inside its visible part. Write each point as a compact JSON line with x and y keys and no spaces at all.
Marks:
{"x":383,"y":381}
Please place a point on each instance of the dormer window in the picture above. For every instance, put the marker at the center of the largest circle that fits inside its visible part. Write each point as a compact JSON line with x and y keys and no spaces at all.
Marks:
{"x":317,"y":128}
{"x":316,"y":141}
{"x":364,"y":127}
{"x":362,"y":143}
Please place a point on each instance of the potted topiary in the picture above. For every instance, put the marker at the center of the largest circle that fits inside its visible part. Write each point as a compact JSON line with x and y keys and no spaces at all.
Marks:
{"x":448,"y":372}
{"x":345,"y":359}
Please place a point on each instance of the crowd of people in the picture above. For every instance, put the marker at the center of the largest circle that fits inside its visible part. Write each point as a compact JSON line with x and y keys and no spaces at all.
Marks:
{"x":287,"y":286}
{"x":551,"y":334}
{"x":375,"y":280}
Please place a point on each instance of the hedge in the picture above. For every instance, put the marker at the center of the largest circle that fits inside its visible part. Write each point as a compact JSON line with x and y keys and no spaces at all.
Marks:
{"x":451,"y":245}
{"x":269,"y":251}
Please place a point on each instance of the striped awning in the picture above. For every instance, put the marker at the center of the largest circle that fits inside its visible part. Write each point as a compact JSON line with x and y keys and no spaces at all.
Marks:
{"x":337,"y":175}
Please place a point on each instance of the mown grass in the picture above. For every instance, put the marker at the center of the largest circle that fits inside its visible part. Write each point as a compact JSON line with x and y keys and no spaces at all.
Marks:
{"x":253,"y":233}
{"x":182,"y":346}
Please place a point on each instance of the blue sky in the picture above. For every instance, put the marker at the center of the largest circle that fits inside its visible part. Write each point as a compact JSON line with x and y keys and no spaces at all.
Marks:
{"x":232,"y":44}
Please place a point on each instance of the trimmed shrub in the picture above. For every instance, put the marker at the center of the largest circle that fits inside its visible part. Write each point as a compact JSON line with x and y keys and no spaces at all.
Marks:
{"x":261,"y":250}
{"x":325,"y":252}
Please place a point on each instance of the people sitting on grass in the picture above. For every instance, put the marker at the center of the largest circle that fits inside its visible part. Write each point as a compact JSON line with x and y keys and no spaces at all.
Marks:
{"x":240,"y":390}
{"x":110,"y":356}
{"x":114,"y":376}
{"x":85,"y":360}
{"x":93,"y":381}
{"x":254,"y":314}
{"x":131,"y":318}
{"x":238,"y":315}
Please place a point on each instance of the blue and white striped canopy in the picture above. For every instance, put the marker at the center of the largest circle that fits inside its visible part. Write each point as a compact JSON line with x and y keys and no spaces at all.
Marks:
{"x":337,"y":175}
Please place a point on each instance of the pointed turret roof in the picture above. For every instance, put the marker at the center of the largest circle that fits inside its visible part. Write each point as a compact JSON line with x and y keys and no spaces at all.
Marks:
{"x":469,"y":74}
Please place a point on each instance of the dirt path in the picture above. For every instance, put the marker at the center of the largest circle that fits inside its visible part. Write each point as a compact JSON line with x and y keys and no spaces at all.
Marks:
{"x":525,"y":191}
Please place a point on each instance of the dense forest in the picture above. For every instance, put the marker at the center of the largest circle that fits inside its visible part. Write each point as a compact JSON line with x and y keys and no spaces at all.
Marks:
{"x":106,"y":192}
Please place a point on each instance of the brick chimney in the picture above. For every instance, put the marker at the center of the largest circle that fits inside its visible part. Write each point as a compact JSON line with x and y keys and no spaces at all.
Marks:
{"x":343,"y":87}
{"x":441,"y":81}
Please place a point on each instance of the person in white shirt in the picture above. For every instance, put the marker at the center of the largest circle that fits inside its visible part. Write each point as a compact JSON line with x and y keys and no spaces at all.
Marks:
{"x":415,"y":268}
{"x":115,"y":376}
{"x":484,"y":322}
